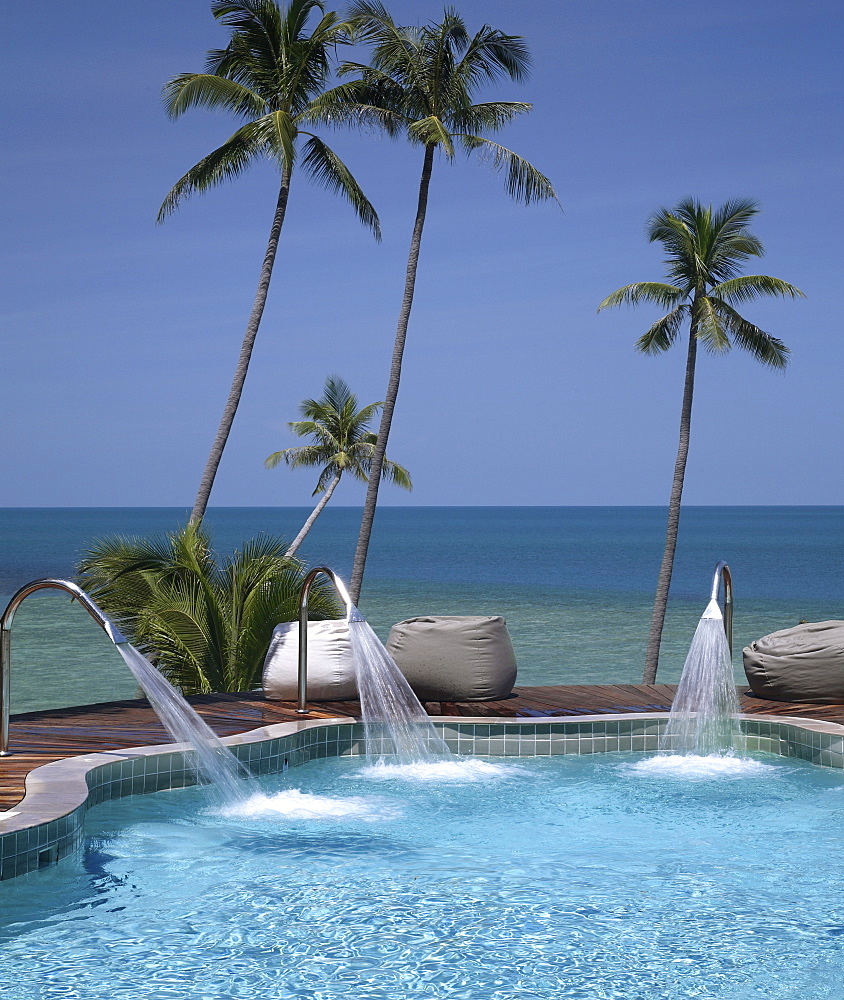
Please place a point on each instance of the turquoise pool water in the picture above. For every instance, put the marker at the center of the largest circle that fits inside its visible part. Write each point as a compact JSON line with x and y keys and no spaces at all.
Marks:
{"x":568,"y":877}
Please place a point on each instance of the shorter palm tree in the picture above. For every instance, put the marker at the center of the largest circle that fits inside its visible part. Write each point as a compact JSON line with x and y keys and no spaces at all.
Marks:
{"x":206,"y":624}
{"x":342,"y":442}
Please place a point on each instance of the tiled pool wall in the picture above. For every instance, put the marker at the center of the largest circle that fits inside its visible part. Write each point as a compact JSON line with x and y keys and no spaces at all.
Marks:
{"x":138,"y":772}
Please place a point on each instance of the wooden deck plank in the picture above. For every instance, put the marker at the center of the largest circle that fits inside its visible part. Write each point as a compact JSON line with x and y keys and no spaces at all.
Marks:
{"x":38,"y":738}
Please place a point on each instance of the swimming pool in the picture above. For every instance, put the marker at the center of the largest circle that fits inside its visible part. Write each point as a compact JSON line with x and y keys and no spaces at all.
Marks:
{"x":544,"y":877}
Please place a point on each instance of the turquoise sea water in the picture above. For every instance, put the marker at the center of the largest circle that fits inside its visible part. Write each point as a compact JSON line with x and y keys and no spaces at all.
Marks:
{"x":574,"y":583}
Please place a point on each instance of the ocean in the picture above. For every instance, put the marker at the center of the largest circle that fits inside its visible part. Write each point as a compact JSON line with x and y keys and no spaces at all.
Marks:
{"x":575,"y":584}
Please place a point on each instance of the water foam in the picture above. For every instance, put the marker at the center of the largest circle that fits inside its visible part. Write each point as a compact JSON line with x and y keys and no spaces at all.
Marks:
{"x":295,"y":804}
{"x":449,"y":770}
{"x":696,"y":766}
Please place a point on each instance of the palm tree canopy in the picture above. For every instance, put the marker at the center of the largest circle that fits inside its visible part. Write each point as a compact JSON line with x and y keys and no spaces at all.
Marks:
{"x":269,"y":75}
{"x":705,"y":251}
{"x":207,"y":624}
{"x":342,"y":439}
{"x":421,"y":84}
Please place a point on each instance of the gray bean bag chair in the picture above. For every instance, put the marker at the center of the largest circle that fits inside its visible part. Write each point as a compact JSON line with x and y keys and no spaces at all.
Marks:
{"x":804,"y":663}
{"x":455,"y":658}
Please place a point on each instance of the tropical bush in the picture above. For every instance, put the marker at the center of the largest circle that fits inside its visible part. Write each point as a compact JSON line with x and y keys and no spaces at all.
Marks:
{"x":206,"y":623}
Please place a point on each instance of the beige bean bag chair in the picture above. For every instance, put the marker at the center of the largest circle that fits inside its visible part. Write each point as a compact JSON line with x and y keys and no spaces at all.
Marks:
{"x":331,"y":666}
{"x":447,"y":658}
{"x":804,"y":663}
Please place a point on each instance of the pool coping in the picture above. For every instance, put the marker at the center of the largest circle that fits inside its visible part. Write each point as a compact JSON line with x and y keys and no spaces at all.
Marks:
{"x":47,"y":823}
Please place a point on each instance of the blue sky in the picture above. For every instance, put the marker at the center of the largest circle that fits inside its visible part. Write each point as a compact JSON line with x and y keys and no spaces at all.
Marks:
{"x":120,"y":336}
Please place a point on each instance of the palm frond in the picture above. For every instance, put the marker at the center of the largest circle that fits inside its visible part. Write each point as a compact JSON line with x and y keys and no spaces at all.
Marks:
{"x":176,"y":624}
{"x":328,"y":170}
{"x":224,"y":164}
{"x":523,"y":181}
{"x":392,"y":472}
{"x":326,"y":477}
{"x":491,"y":55}
{"x":204,"y":90}
{"x":747,"y":287}
{"x":733,"y":217}
{"x":360,"y":104}
{"x":490,"y":116}
{"x":430,"y":131}
{"x":763,"y":346}
{"x":683,"y":258}
{"x":305,"y":457}
{"x":663,"y":333}
{"x":644,"y":291}
{"x":708,"y":326}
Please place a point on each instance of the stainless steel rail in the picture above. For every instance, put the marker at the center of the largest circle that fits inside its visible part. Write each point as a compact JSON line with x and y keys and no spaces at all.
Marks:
{"x":105,"y":623}
{"x":351,"y":612}
{"x":723,"y":574}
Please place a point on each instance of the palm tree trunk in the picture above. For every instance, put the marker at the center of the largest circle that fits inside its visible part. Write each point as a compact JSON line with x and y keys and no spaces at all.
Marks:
{"x":306,"y":527}
{"x":393,"y":384}
{"x":222,"y":437}
{"x":665,"y":570}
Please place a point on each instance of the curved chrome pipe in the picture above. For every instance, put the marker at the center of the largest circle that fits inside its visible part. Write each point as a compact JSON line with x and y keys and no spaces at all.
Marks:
{"x":340,"y":587}
{"x":105,"y":623}
{"x":722,"y":573}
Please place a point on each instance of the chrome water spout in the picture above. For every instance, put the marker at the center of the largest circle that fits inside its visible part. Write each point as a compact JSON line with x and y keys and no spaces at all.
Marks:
{"x":723,"y":574}
{"x":105,"y":623}
{"x":352,"y":614}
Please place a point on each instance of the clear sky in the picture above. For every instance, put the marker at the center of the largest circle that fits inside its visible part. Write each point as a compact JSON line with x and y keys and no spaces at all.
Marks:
{"x":120,"y":336}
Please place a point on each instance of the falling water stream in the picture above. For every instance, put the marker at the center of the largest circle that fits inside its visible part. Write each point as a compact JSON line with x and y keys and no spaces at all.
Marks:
{"x":215,"y":763}
{"x":704,"y":712}
{"x":395,"y":722}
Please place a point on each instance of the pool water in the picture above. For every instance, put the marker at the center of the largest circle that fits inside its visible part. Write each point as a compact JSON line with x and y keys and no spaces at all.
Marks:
{"x":566,"y":877}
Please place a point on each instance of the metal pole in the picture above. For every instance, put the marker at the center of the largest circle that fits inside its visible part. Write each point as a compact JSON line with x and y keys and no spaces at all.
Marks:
{"x":105,"y":623}
{"x":722,"y":573}
{"x":339,"y":586}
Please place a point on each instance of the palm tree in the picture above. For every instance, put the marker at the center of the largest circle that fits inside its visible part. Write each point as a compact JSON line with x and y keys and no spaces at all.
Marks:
{"x":268,"y":75}
{"x":421,"y":85}
{"x":705,"y":250}
{"x":206,"y":625}
{"x":342,"y":442}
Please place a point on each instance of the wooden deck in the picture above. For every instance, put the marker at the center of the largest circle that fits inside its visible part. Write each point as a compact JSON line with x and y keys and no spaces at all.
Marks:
{"x":38,"y":738}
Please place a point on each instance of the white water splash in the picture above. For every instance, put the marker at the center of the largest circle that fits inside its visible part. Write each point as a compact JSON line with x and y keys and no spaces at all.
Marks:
{"x":298,"y":805}
{"x":453,"y":769}
{"x":215,"y":763}
{"x":696,"y":766}
{"x":395,"y":722}
{"x":704,"y":712}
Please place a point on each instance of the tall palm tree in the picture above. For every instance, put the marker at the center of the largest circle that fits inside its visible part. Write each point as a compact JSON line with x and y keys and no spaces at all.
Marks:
{"x":421,"y":85}
{"x":705,"y":251}
{"x":207,"y":625}
{"x":268,"y":75}
{"x":342,"y":442}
